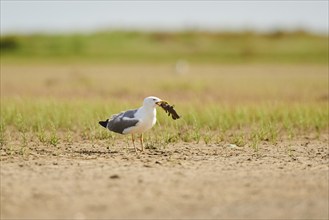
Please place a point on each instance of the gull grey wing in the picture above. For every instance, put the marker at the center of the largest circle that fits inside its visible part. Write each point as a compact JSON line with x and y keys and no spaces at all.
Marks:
{"x":119,"y":122}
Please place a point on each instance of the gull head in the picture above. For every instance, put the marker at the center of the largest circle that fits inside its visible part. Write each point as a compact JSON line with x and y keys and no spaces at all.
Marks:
{"x":152,"y":101}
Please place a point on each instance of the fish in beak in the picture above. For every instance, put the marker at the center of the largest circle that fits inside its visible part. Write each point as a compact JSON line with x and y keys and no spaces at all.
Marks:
{"x":168,"y":109}
{"x":162,"y":102}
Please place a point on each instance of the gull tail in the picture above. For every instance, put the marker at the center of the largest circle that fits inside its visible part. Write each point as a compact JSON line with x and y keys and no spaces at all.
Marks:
{"x":104,"y":123}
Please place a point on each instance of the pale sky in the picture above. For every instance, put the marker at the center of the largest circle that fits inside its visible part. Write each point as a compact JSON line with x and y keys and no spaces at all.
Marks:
{"x":55,"y":16}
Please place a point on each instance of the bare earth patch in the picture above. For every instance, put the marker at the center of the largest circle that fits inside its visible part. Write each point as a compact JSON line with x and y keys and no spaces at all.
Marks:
{"x":285,"y":180}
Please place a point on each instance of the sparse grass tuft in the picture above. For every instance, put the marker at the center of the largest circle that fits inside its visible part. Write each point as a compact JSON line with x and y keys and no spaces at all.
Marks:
{"x":23,"y":150}
{"x":53,"y":139}
{"x":2,"y":133}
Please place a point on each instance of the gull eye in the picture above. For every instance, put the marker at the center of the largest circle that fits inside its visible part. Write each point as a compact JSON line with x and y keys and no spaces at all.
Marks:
{"x":154,"y":99}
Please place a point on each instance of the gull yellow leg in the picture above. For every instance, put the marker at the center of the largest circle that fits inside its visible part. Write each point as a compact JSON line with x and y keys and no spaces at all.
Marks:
{"x":133,"y":140}
{"x":142,"y":142}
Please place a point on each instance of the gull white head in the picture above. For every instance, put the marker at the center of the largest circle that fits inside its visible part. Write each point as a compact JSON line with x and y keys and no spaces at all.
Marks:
{"x":151,"y":101}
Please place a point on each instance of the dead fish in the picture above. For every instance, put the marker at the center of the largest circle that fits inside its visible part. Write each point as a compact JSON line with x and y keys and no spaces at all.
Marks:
{"x":169,"y":109}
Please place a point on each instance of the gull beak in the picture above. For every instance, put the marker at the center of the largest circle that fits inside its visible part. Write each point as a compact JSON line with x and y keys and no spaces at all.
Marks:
{"x":160,"y":102}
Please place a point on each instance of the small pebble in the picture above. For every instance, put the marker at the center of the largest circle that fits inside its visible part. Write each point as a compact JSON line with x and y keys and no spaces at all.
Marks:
{"x":115,"y":176}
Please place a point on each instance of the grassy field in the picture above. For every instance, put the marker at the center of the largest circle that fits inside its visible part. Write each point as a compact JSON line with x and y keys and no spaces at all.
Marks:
{"x":240,"y":104}
{"x":240,"y":88}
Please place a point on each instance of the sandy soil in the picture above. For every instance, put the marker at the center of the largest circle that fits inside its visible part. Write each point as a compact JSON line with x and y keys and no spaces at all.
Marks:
{"x":285,"y":180}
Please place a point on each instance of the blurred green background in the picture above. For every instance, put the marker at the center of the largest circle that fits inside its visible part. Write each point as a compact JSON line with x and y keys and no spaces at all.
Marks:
{"x":164,"y":47}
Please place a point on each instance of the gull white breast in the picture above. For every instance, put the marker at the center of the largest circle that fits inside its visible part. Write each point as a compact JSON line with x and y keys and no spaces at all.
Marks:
{"x":135,"y":121}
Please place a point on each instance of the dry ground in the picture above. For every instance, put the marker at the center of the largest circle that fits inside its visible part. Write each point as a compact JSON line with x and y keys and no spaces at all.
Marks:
{"x":284,"y":180}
